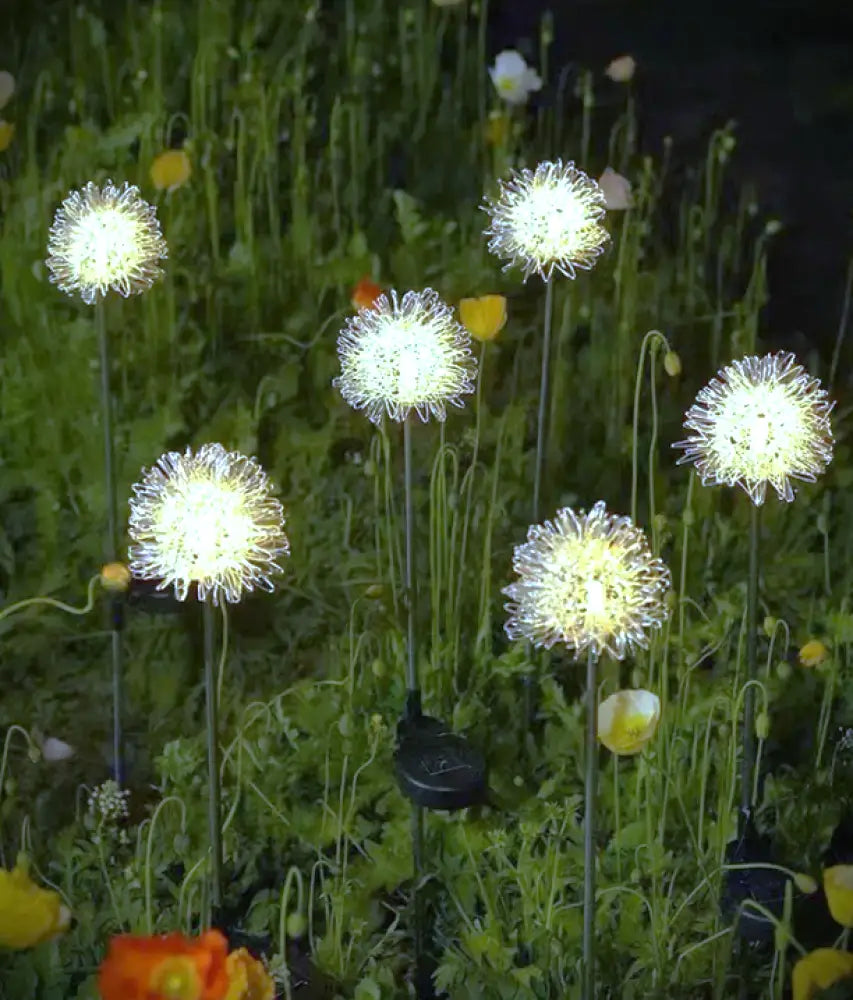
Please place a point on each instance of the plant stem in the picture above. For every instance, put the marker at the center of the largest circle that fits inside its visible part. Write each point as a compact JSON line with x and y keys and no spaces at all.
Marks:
{"x":748,"y":763}
{"x":116,"y":606}
{"x":590,"y":781}
{"x":213,"y":791}
{"x":543,"y":398}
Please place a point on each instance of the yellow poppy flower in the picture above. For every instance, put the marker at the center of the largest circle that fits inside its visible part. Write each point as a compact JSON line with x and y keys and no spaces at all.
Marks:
{"x":813,"y":653}
{"x":28,"y":913}
{"x":838,"y":886}
{"x":819,"y":970}
{"x":497,"y":130}
{"x":483,"y":318}
{"x":7,"y":134}
{"x":170,"y":170}
{"x":627,"y":720}
{"x":247,"y":978}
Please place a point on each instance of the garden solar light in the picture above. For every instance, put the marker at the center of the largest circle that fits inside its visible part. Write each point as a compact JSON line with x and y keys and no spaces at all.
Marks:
{"x":405,"y":354}
{"x":763,"y":421}
{"x":399,"y":356}
{"x":547,"y":219}
{"x":106,"y":238}
{"x":207,"y":522}
{"x":588,"y":581}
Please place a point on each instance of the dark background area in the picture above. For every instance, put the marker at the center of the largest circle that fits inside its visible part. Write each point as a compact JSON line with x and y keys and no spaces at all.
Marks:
{"x":783,"y":71}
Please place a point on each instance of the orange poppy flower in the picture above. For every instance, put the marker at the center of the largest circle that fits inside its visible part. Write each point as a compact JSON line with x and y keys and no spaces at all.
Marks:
{"x":165,"y":967}
{"x":365,"y":294}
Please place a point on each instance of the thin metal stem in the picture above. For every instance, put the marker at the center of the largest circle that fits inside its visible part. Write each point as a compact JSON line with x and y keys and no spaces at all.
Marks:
{"x":590,"y":783}
{"x":543,"y":398}
{"x":528,"y":679}
{"x":411,"y":651}
{"x":418,"y":900}
{"x":116,"y":607}
{"x":413,"y":709}
{"x":748,"y":762}
{"x":213,"y":790}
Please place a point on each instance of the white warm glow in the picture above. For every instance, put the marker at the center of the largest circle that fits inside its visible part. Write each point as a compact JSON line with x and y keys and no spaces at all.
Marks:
{"x":405,"y":354}
{"x":548,"y":219}
{"x":760,"y":421}
{"x":589,"y":581}
{"x":105,"y":238}
{"x":207,"y":519}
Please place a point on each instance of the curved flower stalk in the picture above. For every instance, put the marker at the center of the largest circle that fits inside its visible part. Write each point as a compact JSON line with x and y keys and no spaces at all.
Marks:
{"x":105,"y":238}
{"x":208,"y":519}
{"x":404,"y":354}
{"x":588,"y":581}
{"x":762,"y":421}
{"x":547,"y":219}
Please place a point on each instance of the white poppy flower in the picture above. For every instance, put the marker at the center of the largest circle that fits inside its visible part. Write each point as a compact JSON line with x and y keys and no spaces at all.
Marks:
{"x":53,"y":750}
{"x":621,"y":70}
{"x":617,"y":190}
{"x":514,"y":80}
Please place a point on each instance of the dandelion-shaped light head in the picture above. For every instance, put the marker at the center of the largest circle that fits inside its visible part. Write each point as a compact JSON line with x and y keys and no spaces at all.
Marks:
{"x":547,"y":219}
{"x":587,"y":580}
{"x":105,"y":238}
{"x":761,"y":420}
{"x":405,"y":354}
{"x":208,"y":519}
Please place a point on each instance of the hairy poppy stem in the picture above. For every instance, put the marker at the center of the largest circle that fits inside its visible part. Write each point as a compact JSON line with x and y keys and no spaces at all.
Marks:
{"x":116,"y":605}
{"x":590,"y":790}
{"x":748,"y":762}
{"x":213,"y":794}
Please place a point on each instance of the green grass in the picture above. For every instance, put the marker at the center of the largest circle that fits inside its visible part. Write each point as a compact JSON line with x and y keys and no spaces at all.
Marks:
{"x":326,"y":146}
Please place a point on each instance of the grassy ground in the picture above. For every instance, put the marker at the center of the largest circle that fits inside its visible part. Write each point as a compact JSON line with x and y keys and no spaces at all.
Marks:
{"x":328,"y":142}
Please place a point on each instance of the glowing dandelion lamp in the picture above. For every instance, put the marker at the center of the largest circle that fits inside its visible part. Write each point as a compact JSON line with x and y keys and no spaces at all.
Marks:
{"x":587,"y":581}
{"x":207,"y":524}
{"x":544,"y":221}
{"x":761,"y":422}
{"x":408,"y":355}
{"x":106,"y":239}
